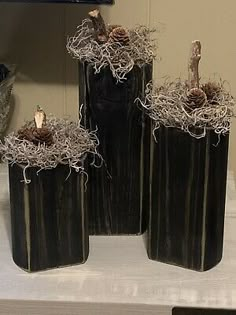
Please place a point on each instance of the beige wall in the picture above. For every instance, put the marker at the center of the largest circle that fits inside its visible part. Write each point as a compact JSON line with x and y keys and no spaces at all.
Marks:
{"x":34,"y":37}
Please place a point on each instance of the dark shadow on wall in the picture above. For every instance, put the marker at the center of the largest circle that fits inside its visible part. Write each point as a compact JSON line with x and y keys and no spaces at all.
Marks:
{"x":33,"y":36}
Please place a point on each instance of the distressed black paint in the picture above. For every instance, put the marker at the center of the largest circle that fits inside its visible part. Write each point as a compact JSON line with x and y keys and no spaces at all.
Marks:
{"x":49,"y":218}
{"x":201,"y":311}
{"x":188,"y":188}
{"x":118,"y":192}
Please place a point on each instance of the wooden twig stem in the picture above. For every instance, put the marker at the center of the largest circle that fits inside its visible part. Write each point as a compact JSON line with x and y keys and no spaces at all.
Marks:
{"x":99,"y":26}
{"x":195,"y":56}
{"x":39,"y":118}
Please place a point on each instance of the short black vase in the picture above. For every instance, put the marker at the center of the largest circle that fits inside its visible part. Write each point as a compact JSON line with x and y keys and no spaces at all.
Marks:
{"x":118,"y":191}
{"x":48,"y":218}
{"x":188,"y":190}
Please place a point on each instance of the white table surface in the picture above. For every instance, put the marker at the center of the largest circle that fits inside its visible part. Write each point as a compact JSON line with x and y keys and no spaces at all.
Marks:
{"x":118,"y":278}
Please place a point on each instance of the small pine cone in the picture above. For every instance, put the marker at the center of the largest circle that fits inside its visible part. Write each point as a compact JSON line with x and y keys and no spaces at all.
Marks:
{"x":196,"y":98}
{"x":37,"y":135}
{"x":119,"y":35}
{"x":43,"y":135}
{"x":25,"y":134}
{"x":212,"y":91}
{"x":111,"y":27}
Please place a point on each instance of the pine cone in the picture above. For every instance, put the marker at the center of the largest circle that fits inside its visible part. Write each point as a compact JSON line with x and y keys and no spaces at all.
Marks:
{"x":37,"y":135}
{"x":119,"y":35}
{"x":25,"y":134}
{"x":212,"y":91}
{"x":111,"y":27}
{"x":196,"y":98}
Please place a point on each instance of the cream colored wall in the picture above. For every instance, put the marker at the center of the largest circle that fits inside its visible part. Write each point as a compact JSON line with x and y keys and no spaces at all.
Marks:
{"x":34,"y":37}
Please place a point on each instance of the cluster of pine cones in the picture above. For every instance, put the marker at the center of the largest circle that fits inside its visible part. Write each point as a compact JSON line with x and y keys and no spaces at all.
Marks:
{"x":207,"y":94}
{"x":36,"y":135}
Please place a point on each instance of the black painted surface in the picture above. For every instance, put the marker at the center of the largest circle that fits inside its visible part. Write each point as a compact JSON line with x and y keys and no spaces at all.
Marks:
{"x":188,"y":189}
{"x":118,"y":192}
{"x":49,"y":218}
{"x":63,"y":1}
{"x":201,"y":311}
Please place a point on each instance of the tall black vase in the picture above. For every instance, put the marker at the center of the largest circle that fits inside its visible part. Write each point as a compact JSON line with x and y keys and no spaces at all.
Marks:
{"x":118,"y":192}
{"x":49,"y":218}
{"x":188,"y":189}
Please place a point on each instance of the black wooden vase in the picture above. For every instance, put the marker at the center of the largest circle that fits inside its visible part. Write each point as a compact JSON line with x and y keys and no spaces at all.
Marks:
{"x":49,"y":218}
{"x":188,"y":190}
{"x":118,"y":191}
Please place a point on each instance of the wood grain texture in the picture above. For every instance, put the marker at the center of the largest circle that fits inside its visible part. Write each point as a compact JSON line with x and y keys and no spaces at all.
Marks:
{"x":188,"y":188}
{"x":117,"y":278}
{"x":49,"y":218}
{"x":118,"y":192}
{"x":61,"y":308}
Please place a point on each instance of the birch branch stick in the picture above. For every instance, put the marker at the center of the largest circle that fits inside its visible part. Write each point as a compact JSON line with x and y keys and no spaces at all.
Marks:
{"x":39,"y":118}
{"x":193,"y":72}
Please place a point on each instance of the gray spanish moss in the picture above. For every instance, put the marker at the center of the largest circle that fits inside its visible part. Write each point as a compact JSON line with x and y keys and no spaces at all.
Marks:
{"x":71,"y":145}
{"x":167,"y":105}
{"x":121,"y":59}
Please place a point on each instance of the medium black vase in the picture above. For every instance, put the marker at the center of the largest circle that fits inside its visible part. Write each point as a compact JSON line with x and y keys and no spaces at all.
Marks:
{"x":188,"y":190}
{"x":118,"y":191}
{"x":48,"y":217}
